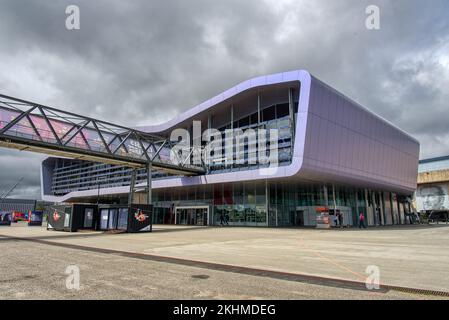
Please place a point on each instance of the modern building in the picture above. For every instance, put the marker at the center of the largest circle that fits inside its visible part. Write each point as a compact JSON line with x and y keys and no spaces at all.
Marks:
{"x":432,"y":193}
{"x":331,"y":153}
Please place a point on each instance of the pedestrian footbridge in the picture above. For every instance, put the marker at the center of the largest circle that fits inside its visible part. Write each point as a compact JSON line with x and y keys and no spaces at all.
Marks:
{"x":33,"y":127}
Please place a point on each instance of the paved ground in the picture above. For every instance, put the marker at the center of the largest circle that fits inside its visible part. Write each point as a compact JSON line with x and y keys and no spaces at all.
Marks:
{"x":409,"y":256}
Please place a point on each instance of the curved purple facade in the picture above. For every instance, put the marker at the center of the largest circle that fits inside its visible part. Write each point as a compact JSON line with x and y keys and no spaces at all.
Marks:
{"x":328,"y":141}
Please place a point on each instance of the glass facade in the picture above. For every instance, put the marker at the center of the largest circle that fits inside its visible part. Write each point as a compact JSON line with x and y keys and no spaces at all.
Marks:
{"x":279,"y":204}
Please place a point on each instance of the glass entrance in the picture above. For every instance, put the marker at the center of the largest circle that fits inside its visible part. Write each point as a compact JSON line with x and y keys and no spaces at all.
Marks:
{"x":104,"y":216}
{"x":123,"y":219}
{"x":192,"y":216}
{"x":297,"y":218}
{"x":88,"y":218}
{"x":113,"y":217}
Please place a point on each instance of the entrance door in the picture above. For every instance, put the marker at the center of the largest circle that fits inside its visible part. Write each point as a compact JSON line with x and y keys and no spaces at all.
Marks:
{"x":104,"y":216}
{"x":201,"y":217}
{"x":88,"y":218}
{"x":181,"y":216}
{"x":113,"y":219}
{"x":122,"y":219}
{"x":297,"y":218}
{"x":272,"y":217}
{"x":192,"y":216}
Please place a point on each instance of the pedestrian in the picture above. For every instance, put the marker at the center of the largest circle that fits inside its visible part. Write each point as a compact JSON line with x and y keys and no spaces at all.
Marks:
{"x":335,"y":220}
{"x":362,"y":221}
{"x":227,"y":219}
{"x":340,"y":219}
{"x":221,"y":219}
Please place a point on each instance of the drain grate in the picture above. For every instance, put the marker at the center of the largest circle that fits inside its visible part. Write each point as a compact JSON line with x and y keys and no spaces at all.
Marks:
{"x":419,"y":291}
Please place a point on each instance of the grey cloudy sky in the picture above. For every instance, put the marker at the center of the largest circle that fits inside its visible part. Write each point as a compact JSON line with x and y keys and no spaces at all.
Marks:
{"x":143,"y":62}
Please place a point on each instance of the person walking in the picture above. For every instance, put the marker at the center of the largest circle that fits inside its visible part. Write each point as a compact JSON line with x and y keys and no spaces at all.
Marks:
{"x":221,"y":219}
{"x":340,"y":219}
{"x":227,"y":219}
{"x":335,"y":217}
{"x":362,"y":221}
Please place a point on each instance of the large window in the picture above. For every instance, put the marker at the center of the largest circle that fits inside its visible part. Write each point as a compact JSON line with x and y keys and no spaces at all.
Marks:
{"x":269,"y":114}
{"x":282,"y":110}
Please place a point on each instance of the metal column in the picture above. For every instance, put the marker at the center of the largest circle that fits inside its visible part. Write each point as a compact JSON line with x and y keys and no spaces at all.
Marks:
{"x":326,"y":196}
{"x":374,"y":205}
{"x":149,"y":183}
{"x":232,"y":128}
{"x":333,"y":199}
{"x":366,"y":208}
{"x":132,"y":186}
{"x":381,"y":209}
{"x":232,"y":116}
{"x":267,"y":202}
{"x":291,"y":108}
{"x":203,"y":152}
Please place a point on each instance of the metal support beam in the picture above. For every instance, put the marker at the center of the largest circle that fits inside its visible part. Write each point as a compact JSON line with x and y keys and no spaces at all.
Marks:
{"x":374,"y":206}
{"x":34,"y":127}
{"x":16,"y":120}
{"x":105,"y":145}
{"x":69,"y":131}
{"x":203,"y":152}
{"x":366,"y":207}
{"x":143,"y":148}
{"x":149,"y":183}
{"x":291,"y":107}
{"x":326,"y":196}
{"x":132,"y":186}
{"x":334,"y":200}
{"x":58,"y":140}
{"x":381,"y":210}
{"x":267,"y":202}
{"x":232,"y":128}
{"x":159,"y":150}
{"x":122,"y":142}
{"x":75,"y":134}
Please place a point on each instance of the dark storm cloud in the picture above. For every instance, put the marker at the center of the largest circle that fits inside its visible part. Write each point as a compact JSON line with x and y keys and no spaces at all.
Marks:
{"x":16,"y":165}
{"x":143,"y":62}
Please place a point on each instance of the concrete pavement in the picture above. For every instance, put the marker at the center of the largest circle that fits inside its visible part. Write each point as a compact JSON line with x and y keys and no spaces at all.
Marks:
{"x":410,"y":256}
{"x":33,"y":270}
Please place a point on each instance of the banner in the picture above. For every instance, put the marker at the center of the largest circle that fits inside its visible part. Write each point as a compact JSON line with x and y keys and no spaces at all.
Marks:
{"x":433,"y":197}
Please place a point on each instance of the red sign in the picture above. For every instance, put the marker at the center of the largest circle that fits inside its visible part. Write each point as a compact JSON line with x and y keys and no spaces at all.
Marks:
{"x":56,"y":216}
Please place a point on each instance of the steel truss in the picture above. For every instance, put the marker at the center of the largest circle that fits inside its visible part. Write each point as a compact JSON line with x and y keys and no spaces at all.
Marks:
{"x":34,"y":127}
